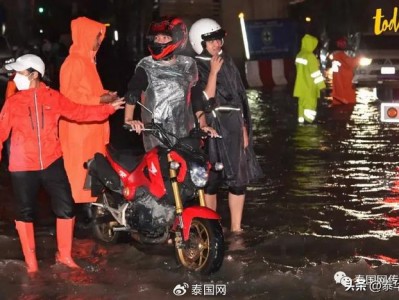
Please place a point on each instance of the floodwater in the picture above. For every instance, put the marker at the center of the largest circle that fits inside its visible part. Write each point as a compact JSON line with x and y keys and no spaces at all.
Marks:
{"x":328,"y":203}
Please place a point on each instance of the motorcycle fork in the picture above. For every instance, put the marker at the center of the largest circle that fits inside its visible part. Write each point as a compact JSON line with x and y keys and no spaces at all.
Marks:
{"x":201,"y":196}
{"x":179,"y":204}
{"x":176,"y":191}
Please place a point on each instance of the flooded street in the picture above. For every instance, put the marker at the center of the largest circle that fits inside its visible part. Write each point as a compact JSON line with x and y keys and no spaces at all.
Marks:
{"x":328,"y":203}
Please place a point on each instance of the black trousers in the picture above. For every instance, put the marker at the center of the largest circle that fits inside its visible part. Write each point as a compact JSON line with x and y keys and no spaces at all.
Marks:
{"x":216,"y":180}
{"x":26,"y":185}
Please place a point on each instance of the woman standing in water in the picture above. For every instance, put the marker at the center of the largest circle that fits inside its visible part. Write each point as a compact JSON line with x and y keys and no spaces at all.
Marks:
{"x":225,"y":107}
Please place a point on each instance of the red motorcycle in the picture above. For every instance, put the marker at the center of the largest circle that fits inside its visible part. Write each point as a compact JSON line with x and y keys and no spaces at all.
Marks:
{"x":158,"y":196}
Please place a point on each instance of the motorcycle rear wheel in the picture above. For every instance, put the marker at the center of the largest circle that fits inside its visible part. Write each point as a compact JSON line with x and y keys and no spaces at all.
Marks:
{"x":103,"y":224}
{"x":204,"y":249}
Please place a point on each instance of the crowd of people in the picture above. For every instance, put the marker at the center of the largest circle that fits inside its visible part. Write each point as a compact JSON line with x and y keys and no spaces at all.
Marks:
{"x":53,"y":133}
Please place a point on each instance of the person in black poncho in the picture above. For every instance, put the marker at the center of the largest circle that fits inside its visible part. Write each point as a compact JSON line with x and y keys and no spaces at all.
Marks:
{"x":224,"y":106}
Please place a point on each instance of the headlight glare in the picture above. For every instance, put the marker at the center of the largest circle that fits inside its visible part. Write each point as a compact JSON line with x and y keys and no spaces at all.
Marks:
{"x":365,"y":61}
{"x":199,"y":175}
{"x":218,"y":166}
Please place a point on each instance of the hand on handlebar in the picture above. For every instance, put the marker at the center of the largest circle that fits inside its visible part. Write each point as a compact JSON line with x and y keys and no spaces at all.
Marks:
{"x":210,"y":131}
{"x":136,"y":125}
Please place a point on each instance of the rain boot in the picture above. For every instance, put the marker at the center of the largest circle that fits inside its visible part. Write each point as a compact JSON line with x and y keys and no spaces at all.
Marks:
{"x":64,"y":242}
{"x":27,"y":238}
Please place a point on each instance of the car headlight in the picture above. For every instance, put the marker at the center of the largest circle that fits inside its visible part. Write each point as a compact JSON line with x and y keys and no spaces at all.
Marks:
{"x":365,"y":61}
{"x":199,"y":175}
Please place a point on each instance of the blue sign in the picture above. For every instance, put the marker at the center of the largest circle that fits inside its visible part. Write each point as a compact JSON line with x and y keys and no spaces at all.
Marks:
{"x":272,"y":39}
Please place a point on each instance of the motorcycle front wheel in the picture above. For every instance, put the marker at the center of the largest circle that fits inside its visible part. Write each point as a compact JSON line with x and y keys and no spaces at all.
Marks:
{"x":203,"y":252}
{"x":103,"y":224}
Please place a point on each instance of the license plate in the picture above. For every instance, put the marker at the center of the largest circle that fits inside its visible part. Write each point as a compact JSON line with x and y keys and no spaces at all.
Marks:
{"x":387,"y":70}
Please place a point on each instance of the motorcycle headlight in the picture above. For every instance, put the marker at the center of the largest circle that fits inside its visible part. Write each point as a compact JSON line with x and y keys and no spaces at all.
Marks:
{"x":199,"y":175}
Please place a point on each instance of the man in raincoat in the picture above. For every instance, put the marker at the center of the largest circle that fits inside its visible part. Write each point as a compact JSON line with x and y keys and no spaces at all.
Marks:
{"x":309,"y":80}
{"x":80,"y":82}
{"x":343,"y":66}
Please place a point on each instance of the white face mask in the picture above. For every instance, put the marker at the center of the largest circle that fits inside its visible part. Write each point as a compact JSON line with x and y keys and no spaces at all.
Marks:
{"x":22,"y":82}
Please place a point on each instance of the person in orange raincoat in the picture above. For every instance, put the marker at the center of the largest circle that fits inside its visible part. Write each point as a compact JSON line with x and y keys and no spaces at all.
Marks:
{"x":343,"y":66}
{"x":80,"y":82}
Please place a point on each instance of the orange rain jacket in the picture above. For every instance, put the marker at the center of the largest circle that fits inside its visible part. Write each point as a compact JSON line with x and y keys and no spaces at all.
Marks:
{"x":79,"y":81}
{"x":32,"y":116}
{"x":343,"y":91}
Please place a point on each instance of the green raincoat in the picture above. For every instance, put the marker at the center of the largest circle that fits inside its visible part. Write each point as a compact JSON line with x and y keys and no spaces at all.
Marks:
{"x":309,"y":80}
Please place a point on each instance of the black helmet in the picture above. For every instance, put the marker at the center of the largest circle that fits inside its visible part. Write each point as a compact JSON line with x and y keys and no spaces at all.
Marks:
{"x":171,"y":26}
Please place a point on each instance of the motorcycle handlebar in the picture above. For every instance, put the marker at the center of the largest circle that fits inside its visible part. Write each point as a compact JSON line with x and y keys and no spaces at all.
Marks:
{"x":146,"y":127}
{"x":152,"y":127}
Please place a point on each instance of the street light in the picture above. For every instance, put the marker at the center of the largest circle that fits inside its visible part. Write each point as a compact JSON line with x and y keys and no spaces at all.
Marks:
{"x":244,"y":35}
{"x":40,"y":10}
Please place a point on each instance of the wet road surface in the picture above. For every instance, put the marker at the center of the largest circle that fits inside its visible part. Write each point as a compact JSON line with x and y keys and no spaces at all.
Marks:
{"x":329,"y":202}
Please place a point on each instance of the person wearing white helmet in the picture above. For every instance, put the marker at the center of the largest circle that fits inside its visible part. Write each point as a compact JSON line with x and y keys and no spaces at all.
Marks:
{"x":224,"y":106}
{"x":30,"y":117}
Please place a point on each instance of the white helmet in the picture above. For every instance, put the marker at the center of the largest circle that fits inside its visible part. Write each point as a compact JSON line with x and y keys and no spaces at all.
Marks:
{"x":204,"y":30}
{"x":27,"y":61}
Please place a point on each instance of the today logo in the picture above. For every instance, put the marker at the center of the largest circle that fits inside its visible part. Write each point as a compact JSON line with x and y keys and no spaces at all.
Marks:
{"x":381,"y":24}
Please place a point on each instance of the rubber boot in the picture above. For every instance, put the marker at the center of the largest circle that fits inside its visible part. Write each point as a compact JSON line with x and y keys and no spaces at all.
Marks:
{"x":64,"y":242}
{"x":27,"y":238}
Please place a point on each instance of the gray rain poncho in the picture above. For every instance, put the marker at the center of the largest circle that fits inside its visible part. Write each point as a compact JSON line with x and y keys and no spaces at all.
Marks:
{"x":168,"y":95}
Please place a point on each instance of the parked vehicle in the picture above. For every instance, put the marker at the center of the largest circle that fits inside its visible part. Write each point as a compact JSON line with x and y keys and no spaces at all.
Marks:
{"x":158,"y":196}
{"x":379,"y":64}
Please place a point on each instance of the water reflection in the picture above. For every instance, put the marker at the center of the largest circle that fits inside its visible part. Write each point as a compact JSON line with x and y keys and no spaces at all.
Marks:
{"x":326,"y":180}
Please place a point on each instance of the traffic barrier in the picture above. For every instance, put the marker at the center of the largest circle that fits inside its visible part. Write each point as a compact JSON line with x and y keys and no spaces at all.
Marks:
{"x":269,"y":72}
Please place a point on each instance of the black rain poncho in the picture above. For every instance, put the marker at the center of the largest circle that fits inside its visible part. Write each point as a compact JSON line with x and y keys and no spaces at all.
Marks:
{"x":227,"y":116}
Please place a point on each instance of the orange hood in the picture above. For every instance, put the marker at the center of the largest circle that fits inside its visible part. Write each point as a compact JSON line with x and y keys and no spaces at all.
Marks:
{"x":84,"y":33}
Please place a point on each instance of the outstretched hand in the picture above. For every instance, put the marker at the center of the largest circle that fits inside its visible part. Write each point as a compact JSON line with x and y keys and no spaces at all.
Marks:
{"x":108,"y":97}
{"x":118,"y":103}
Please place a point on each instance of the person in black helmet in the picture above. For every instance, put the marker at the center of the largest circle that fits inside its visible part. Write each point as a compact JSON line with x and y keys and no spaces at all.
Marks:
{"x":225,"y":107}
{"x":162,"y":82}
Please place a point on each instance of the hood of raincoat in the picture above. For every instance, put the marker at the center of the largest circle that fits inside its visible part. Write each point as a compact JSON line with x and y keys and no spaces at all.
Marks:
{"x":309,"y":43}
{"x":84,"y":33}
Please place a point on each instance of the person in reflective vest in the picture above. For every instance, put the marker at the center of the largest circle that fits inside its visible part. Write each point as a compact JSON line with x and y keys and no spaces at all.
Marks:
{"x":343,"y":66}
{"x":309,"y":80}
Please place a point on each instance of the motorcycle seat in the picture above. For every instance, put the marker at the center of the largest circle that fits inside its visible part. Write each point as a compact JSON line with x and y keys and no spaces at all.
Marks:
{"x":126,"y":158}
